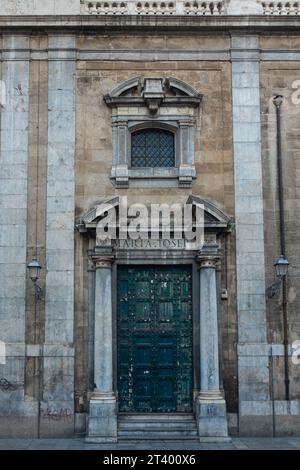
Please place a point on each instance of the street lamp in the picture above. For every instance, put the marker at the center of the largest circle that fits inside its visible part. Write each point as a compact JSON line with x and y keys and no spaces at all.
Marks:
{"x":281,"y":266}
{"x":34,"y":269}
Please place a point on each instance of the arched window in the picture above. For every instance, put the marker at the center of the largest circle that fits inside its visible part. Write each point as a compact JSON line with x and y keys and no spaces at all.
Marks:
{"x":152,"y":148}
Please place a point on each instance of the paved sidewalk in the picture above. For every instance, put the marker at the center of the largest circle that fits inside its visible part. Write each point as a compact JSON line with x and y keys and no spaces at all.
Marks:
{"x":287,"y":443}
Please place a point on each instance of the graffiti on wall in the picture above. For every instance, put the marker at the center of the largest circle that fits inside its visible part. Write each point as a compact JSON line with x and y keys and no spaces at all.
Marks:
{"x":57,"y":414}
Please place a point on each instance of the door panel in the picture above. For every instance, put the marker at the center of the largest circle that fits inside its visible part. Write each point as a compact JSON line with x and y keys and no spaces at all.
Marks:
{"x":155,"y":339}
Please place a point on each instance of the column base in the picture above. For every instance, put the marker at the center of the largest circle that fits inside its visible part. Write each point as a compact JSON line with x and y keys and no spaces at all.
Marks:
{"x":102,"y":420}
{"x":212,"y":418}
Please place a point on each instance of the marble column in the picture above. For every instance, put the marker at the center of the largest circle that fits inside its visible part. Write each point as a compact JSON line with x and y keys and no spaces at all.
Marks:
{"x":102,"y":424}
{"x":211,"y":406}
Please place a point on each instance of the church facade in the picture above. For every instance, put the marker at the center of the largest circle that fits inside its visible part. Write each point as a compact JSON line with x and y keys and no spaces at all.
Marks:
{"x":152,"y":103}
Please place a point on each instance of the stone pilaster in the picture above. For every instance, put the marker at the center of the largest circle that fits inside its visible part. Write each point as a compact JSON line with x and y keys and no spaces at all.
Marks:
{"x":102,"y":425}
{"x":58,"y":371}
{"x":210,"y":406}
{"x":254,"y":387}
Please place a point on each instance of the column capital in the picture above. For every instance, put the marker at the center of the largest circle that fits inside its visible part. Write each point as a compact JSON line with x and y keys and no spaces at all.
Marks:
{"x":102,"y":261}
{"x":209,"y":261}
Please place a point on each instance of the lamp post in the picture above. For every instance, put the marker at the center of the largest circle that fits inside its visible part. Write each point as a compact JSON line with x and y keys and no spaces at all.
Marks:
{"x":34,"y":269}
{"x":281,"y":266}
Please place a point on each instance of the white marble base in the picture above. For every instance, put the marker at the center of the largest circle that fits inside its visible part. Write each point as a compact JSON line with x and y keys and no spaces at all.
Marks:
{"x":102,"y":421}
{"x":212,"y":420}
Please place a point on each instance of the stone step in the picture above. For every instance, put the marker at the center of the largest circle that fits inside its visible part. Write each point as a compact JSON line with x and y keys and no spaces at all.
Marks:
{"x":155,"y":434}
{"x":155,"y":417}
{"x":162,"y":425}
{"x":156,"y":438}
{"x":157,"y":426}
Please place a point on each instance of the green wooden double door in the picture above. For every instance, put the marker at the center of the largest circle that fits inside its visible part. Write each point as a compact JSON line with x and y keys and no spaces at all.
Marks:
{"x":154,"y":330}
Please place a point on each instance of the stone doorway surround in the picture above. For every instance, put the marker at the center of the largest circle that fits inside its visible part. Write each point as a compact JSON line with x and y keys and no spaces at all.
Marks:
{"x":209,"y":402}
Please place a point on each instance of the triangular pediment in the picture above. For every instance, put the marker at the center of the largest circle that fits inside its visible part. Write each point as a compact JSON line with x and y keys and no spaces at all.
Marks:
{"x":214,"y":218}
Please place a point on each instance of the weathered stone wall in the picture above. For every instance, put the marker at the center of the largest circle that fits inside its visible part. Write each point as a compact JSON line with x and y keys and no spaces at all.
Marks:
{"x":13,"y":203}
{"x":213,"y":136}
{"x":37,"y":381}
{"x":280,"y":78}
{"x":254,"y":399}
{"x":36,"y":222}
{"x":56,"y":157}
{"x":213,"y":157}
{"x":58,"y":380}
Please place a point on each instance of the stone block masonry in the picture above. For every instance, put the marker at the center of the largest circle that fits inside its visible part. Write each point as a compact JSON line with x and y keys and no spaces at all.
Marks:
{"x":251,"y":304}
{"x":59,"y":310}
{"x":238,"y":72}
{"x":13,"y":220}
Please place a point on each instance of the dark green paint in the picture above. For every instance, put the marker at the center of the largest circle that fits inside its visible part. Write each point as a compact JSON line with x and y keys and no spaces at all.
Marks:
{"x":155,"y":339}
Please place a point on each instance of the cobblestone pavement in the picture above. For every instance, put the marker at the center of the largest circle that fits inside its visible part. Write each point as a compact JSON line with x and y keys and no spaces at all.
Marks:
{"x":287,"y":443}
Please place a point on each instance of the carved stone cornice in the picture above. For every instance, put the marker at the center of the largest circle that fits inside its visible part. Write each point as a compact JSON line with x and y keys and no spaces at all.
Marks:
{"x":133,"y":23}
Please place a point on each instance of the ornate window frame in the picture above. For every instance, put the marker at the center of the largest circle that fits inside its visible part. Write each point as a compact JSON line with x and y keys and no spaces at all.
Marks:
{"x":142,"y":103}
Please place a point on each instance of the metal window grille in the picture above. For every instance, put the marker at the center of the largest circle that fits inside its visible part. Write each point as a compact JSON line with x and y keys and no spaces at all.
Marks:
{"x":152,"y":148}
